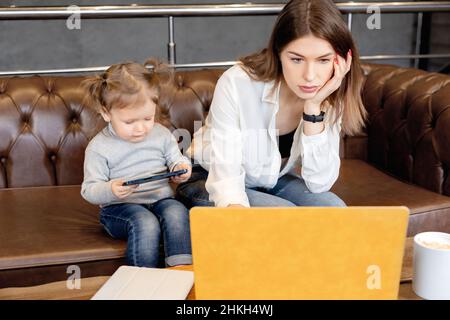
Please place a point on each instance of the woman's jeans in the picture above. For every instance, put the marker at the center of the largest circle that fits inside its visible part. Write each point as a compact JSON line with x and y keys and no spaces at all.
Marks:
{"x":290,"y":191}
{"x":142,"y":225}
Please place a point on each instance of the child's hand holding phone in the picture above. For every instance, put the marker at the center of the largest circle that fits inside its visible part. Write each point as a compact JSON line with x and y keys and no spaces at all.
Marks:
{"x":183,"y":177}
{"x":121,"y":191}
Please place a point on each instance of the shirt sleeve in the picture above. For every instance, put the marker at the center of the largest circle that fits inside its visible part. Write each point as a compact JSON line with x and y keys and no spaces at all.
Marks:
{"x":320,"y":158}
{"x":226,"y":178}
{"x":96,"y":186}
{"x":172,"y":153}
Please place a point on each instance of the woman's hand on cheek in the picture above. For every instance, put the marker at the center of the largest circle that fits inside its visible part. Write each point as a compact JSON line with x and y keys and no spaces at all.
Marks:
{"x":341,"y":68}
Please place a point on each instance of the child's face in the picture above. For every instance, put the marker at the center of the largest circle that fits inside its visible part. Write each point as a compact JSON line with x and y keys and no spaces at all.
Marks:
{"x":307,"y":65}
{"x":132,"y":123}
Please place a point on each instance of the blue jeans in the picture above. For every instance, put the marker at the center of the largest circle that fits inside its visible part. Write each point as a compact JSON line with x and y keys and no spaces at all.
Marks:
{"x":290,"y":191}
{"x":142,"y":225}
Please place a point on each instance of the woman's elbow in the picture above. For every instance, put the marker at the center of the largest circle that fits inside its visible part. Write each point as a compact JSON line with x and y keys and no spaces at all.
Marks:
{"x":321,"y":186}
{"x":318,"y":188}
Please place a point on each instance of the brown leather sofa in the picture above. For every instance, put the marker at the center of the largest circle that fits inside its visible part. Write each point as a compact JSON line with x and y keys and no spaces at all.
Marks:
{"x":45,"y":225}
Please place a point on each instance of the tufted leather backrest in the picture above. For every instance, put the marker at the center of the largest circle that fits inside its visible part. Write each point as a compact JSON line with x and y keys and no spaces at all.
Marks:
{"x":409,"y":124}
{"x":188,"y":100}
{"x":44,"y":128}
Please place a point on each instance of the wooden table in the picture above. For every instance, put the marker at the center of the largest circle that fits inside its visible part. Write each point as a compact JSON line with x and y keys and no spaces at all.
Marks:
{"x":58,"y":290}
{"x":89,"y":286}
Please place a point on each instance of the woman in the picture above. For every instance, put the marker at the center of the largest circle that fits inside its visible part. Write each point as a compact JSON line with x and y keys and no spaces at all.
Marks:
{"x":271,"y":137}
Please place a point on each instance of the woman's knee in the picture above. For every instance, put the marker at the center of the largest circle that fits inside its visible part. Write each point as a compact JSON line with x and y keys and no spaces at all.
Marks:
{"x":262,"y":199}
{"x":328,"y":199}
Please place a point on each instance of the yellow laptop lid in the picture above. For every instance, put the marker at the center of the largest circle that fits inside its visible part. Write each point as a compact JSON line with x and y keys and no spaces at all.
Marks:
{"x":298,"y":253}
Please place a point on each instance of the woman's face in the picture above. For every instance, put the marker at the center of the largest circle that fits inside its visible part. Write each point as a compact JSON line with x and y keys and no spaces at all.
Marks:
{"x":307,"y":64}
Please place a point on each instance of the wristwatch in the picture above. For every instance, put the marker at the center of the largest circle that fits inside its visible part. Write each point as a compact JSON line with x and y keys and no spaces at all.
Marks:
{"x":314,"y":118}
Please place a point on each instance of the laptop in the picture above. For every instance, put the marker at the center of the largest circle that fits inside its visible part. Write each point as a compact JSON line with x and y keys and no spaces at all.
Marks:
{"x":298,"y":253}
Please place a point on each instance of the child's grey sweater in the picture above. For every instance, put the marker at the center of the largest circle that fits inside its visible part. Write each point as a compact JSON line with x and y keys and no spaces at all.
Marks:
{"x":108,"y":157}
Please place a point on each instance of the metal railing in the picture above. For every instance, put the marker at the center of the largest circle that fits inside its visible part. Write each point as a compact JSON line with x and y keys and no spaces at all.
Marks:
{"x":172,"y":11}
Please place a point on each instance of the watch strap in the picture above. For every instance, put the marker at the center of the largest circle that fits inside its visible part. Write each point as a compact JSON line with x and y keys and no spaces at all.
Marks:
{"x":314,"y":118}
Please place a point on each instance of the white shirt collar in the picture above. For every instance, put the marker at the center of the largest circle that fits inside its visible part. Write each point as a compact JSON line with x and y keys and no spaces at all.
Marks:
{"x":270,"y":93}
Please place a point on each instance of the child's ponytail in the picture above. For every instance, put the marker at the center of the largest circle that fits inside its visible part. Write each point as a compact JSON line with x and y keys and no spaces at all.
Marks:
{"x":161,"y":72}
{"x":94,"y":87}
{"x":163,"y":75}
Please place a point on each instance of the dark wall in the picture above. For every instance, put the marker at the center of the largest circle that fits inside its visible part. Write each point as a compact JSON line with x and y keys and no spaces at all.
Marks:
{"x":31,"y":45}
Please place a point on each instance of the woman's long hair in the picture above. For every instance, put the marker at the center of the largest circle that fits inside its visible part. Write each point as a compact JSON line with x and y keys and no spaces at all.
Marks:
{"x":322,"y":19}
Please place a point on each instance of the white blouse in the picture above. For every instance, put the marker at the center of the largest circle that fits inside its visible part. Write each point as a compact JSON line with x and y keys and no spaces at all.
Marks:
{"x":238,"y":144}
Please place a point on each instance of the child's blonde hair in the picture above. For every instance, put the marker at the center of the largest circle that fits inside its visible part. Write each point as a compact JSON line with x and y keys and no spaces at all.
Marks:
{"x":121,"y":85}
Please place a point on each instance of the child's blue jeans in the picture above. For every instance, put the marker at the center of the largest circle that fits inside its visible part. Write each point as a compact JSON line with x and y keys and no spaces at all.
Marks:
{"x":142,"y":226}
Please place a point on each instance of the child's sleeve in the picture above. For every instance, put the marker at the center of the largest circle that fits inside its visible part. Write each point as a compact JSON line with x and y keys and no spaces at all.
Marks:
{"x":172,"y":153}
{"x":96,"y":186}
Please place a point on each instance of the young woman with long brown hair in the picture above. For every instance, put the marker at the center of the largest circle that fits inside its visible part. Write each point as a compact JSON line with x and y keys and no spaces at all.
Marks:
{"x":272,"y":135}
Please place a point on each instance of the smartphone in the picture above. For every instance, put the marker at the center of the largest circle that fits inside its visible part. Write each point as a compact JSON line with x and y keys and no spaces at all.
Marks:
{"x":154,"y":178}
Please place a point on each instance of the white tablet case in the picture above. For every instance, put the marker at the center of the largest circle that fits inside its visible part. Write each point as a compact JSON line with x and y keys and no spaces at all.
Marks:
{"x":137,"y":283}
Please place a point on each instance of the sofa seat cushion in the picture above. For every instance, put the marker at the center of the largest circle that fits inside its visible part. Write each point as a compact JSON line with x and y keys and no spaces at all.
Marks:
{"x":51,"y":226}
{"x":361,"y":184}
